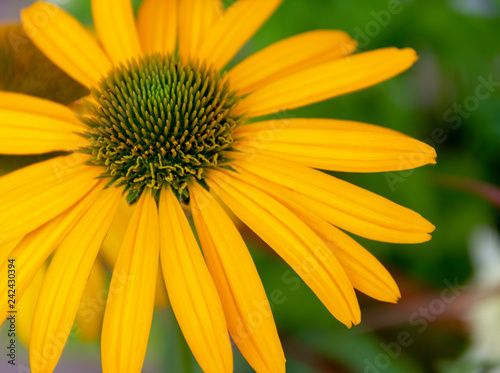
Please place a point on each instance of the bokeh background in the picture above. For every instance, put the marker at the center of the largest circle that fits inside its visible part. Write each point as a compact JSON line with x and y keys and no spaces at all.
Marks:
{"x":448,"y":320}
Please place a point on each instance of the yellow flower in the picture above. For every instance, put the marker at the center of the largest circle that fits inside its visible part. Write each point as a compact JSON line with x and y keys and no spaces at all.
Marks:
{"x":165,"y":126}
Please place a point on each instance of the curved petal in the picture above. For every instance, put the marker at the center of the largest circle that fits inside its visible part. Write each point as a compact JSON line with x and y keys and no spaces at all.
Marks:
{"x":129,"y":311}
{"x":238,"y":24}
{"x":33,"y":195}
{"x":335,"y":145}
{"x":289,"y":56}
{"x":34,"y":249}
{"x":66,"y":280}
{"x":30,"y":125}
{"x":196,"y":19}
{"x":248,"y":314}
{"x":115,"y":24}
{"x":66,"y":42}
{"x":328,"y":80}
{"x":339,"y":202}
{"x":294,"y":241}
{"x":157,"y":23}
{"x":364,"y":271}
{"x":191,"y":290}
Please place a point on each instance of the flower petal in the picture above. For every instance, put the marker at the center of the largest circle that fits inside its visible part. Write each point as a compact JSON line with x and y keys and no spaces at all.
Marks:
{"x":294,"y":241}
{"x":328,"y":80}
{"x":289,"y":56}
{"x":236,"y":27}
{"x":248,"y":314}
{"x":38,"y":193}
{"x":157,"y":24}
{"x":196,"y":18}
{"x":28,"y":130}
{"x":364,"y":271}
{"x":191,"y":290}
{"x":66,"y":42}
{"x":129,"y":311}
{"x":34,"y":249}
{"x":66,"y":280}
{"x":335,"y":145}
{"x":339,"y":202}
{"x":115,"y":24}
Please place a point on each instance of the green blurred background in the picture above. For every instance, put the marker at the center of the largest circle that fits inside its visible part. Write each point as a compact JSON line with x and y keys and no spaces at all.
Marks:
{"x":449,"y":99}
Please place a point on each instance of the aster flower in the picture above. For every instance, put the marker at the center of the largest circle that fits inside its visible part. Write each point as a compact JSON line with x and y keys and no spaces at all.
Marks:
{"x":166,"y":128}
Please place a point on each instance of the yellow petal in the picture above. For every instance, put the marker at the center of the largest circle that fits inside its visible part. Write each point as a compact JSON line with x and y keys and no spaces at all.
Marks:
{"x":66,"y":42}
{"x":38,"y":106}
{"x":196,"y":18}
{"x":289,"y":56}
{"x":157,"y":25}
{"x":115,"y":24}
{"x":38,"y":193}
{"x":91,"y":310}
{"x":238,"y":24}
{"x":339,"y":202}
{"x":328,"y":80}
{"x":129,"y":311}
{"x":66,"y":280}
{"x":364,"y":271}
{"x":335,"y":145}
{"x":248,"y":314}
{"x":34,"y":249}
{"x":294,"y":241}
{"x":191,"y":290}
{"x":30,"y":125}
{"x":26,"y":306}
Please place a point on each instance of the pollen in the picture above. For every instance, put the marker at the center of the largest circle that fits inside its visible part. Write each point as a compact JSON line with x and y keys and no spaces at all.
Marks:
{"x":156,"y":122}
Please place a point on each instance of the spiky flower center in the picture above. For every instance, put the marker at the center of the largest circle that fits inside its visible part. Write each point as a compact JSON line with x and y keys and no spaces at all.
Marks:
{"x":159,"y":122}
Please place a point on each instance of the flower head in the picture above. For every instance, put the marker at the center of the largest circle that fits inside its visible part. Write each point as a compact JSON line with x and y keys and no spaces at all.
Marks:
{"x":166,"y":126}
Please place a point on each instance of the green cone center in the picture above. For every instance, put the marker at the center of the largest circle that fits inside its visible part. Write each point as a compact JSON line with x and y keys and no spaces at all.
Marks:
{"x":158,"y":122}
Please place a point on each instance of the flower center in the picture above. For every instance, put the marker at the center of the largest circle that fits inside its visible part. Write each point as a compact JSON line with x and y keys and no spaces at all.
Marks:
{"x":158,"y":122}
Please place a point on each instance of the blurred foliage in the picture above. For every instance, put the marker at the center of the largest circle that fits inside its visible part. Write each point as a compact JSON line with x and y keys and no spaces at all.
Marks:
{"x":436,"y":101}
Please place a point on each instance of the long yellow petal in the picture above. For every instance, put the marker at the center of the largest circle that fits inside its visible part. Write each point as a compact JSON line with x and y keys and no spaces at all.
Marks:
{"x":328,"y":80}
{"x":191,"y":290}
{"x":66,"y":42}
{"x":289,"y":56}
{"x":38,"y":106}
{"x":196,"y":19}
{"x":294,"y":241}
{"x":115,"y":24}
{"x":129,"y":311}
{"x":34,"y":249}
{"x":248,"y":314}
{"x":335,"y":145}
{"x":238,"y":24}
{"x":91,"y":310}
{"x":365,"y":272}
{"x":157,"y":23}
{"x":30,"y":125}
{"x":26,"y":307}
{"x":66,"y":280}
{"x":342,"y":204}
{"x":38,"y":193}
